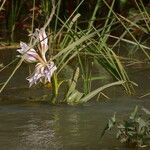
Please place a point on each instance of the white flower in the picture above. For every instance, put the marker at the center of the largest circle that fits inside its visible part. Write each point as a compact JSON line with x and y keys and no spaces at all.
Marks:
{"x":43,"y":69}
{"x":42,"y":41}
{"x":42,"y":73}
{"x":29,"y":54}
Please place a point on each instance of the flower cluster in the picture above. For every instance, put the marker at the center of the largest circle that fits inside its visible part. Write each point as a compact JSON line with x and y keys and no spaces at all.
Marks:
{"x":43,"y":69}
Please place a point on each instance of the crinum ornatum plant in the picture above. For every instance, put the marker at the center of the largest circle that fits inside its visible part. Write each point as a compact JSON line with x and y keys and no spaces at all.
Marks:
{"x":44,"y":69}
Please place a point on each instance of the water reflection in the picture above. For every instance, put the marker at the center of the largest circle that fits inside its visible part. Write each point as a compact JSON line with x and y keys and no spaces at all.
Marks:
{"x":44,"y":127}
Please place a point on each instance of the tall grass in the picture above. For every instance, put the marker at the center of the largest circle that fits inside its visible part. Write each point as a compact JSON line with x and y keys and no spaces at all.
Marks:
{"x":133,"y":24}
{"x":68,"y":43}
{"x":75,"y":41}
{"x":2,"y":4}
{"x":14,"y":12}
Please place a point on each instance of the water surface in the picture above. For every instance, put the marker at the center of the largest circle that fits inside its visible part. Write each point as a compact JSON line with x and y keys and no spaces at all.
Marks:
{"x":46,"y":127}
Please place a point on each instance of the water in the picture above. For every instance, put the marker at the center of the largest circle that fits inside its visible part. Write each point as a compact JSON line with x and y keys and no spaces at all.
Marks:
{"x":46,"y":127}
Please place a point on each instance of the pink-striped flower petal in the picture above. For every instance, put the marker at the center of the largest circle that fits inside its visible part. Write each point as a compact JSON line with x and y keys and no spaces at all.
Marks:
{"x":41,"y":37}
{"x":29,"y":54}
{"x":42,"y":73}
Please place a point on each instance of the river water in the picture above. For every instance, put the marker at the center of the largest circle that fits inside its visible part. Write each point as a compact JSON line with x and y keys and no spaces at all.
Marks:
{"x":46,"y":127}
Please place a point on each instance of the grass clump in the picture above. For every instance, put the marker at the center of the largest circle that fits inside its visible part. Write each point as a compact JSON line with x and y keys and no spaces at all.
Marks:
{"x":70,"y":42}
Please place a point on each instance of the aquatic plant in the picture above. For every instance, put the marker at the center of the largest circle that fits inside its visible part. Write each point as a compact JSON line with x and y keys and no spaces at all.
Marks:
{"x":69,"y":42}
{"x":134,"y":131}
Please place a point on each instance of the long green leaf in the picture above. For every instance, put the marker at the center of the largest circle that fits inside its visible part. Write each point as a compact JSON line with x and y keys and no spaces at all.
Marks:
{"x":95,"y":92}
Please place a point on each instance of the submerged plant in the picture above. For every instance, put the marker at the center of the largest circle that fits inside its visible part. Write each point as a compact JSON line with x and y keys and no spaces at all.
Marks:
{"x":135,"y":131}
{"x":44,"y":69}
